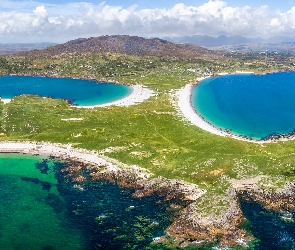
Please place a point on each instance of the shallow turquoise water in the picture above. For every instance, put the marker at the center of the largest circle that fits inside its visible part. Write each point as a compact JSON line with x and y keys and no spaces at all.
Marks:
{"x":79,"y":92}
{"x":29,"y":215}
{"x":44,"y":210}
{"x":250,"y":105}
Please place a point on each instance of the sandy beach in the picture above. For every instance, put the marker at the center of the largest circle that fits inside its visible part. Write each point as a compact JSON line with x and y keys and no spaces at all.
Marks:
{"x":183,"y":99}
{"x":110,"y":166}
{"x":185,"y":107}
{"x":62,"y":151}
{"x":138,"y":94}
{"x":5,"y":100}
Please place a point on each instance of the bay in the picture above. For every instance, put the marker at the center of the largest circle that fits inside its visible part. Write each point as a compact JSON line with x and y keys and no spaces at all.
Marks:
{"x":77,"y":91}
{"x":247,"y":104}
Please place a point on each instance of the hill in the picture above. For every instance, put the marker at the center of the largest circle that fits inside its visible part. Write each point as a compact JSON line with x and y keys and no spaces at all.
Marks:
{"x":130,"y":45}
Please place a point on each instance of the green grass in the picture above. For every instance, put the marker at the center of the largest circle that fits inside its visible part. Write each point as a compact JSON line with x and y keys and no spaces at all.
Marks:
{"x":151,"y":134}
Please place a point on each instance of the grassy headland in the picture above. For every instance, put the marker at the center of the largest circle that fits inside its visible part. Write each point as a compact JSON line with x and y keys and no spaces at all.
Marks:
{"x":151,"y":134}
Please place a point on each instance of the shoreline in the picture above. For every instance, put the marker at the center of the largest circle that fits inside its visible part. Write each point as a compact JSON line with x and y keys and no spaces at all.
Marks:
{"x":191,"y":225}
{"x":183,"y":97}
{"x":111,"y":167}
{"x":187,"y":226}
{"x":186,"y":110}
{"x":138,"y":94}
{"x":61,"y":151}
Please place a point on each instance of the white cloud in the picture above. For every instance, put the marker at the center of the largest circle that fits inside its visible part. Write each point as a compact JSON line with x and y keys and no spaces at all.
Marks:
{"x":40,"y":16}
{"x":49,"y":22}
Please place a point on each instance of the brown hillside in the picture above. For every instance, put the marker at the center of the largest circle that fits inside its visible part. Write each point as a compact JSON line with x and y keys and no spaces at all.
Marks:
{"x":131,"y":45}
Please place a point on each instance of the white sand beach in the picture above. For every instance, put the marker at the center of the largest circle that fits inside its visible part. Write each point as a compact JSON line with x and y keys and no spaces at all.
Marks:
{"x":57,"y":150}
{"x":5,"y":100}
{"x":183,"y":99}
{"x":184,"y":104}
{"x":138,"y":94}
{"x":66,"y":151}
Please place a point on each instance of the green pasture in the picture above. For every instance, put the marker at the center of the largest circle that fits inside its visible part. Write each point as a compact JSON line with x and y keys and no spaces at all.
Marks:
{"x":152,"y":134}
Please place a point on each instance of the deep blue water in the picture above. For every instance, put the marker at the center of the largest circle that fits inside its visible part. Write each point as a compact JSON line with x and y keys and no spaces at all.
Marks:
{"x":79,"y":92}
{"x":250,"y":105}
{"x":271,"y":231}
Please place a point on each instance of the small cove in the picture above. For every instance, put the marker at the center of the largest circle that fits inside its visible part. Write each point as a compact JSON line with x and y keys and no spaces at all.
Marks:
{"x":248,"y":105}
{"x":77,"y":91}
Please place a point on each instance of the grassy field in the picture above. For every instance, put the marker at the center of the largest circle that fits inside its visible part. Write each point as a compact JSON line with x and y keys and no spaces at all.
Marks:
{"x":152,"y":134}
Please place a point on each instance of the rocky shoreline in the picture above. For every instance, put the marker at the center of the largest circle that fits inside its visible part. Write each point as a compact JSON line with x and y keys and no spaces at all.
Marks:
{"x":191,"y":226}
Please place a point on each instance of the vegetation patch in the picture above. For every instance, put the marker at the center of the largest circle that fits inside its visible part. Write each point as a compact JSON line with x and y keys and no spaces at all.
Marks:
{"x":151,"y":134}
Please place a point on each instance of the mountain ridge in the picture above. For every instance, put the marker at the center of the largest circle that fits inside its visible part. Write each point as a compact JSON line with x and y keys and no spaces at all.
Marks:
{"x":131,"y":45}
{"x":209,"y":41}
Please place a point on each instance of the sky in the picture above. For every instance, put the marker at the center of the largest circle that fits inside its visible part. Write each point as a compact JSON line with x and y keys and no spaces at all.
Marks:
{"x":26,"y":21}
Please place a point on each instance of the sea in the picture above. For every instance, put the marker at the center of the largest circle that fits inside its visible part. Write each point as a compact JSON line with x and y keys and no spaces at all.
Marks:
{"x":76,"y":91}
{"x":250,"y":105}
{"x":41,"y":210}
{"x":272,"y":231}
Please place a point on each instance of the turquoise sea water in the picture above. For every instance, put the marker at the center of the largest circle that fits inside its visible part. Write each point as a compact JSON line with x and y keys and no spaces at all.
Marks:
{"x":79,"y":92}
{"x":249,"y":105}
{"x":41,"y":209}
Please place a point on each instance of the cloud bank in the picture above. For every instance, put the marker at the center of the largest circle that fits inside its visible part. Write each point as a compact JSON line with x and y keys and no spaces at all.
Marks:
{"x":36,"y":21}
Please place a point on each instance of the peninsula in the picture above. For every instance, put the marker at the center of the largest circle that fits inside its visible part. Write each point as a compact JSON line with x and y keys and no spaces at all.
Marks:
{"x":149,"y":141}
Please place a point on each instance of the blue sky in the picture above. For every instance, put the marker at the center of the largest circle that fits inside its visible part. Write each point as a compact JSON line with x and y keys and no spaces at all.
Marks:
{"x":283,"y":5}
{"x":62,"y":20}
{"x":276,"y":4}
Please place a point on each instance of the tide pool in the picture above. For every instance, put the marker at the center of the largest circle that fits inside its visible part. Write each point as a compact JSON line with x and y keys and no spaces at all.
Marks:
{"x":77,"y":91}
{"x":249,"y":105}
